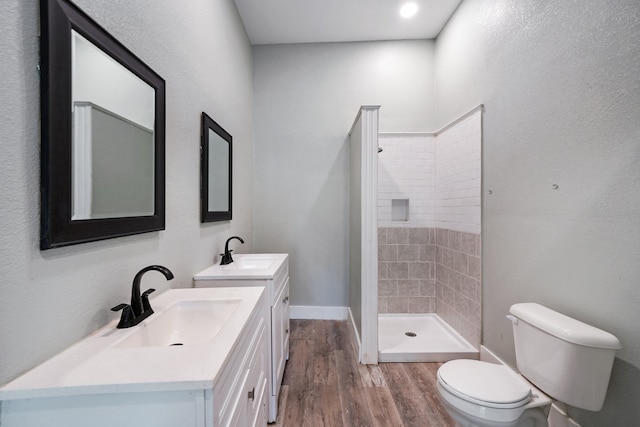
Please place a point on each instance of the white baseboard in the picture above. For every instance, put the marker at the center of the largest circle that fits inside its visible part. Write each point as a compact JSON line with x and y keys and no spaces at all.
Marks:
{"x":318,"y":312}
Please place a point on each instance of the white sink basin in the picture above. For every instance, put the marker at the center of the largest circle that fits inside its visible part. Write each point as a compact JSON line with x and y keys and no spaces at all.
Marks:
{"x":189,"y":322}
{"x":251,"y":262}
{"x":245,"y":266}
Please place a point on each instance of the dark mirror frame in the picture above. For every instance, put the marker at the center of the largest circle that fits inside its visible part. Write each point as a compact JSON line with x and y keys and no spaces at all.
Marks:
{"x":205,"y":214}
{"x":58,"y":18}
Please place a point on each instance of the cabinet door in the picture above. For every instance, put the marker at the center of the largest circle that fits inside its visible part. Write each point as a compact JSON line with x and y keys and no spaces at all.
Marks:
{"x":285,"y":323}
{"x":279,"y":337}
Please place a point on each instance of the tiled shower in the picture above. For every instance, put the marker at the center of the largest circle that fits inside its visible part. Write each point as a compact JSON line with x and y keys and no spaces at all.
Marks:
{"x":429,"y":256}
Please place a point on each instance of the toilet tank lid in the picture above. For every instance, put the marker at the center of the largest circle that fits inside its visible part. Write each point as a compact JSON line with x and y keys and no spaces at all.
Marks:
{"x":564,"y":327}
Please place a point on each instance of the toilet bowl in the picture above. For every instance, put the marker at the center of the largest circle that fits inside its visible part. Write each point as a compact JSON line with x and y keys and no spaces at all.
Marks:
{"x":484,"y":394}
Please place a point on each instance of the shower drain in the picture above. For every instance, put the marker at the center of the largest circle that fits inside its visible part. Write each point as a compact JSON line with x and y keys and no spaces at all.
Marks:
{"x":410,"y":334}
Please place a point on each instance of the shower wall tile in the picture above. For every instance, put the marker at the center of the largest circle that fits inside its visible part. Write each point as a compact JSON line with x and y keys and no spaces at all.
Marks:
{"x":398,"y":270}
{"x":448,"y":257}
{"x":442,"y":274}
{"x":428,"y":289}
{"x":461,"y":304}
{"x":407,"y":252}
{"x":427,"y":253}
{"x":419,"y":236}
{"x":422,"y":305}
{"x":407,"y":270}
{"x":454,"y":240}
{"x":460,"y":262}
{"x":409,"y":288}
{"x":406,"y":170}
{"x":417,"y":275}
{"x":448,"y":296}
{"x":439,"y":175}
{"x":383,"y":270}
{"x":398,"y":304}
{"x":458,"y":174}
{"x":382,"y":236}
{"x":455,"y":278}
{"x":458,"y":282}
{"x":388,"y":288}
{"x":419,"y":270}
{"x":474,"y":269}
{"x":382,"y":305}
{"x":468,"y":244}
{"x":388,"y":253}
{"x":475,"y":312}
{"x":397,"y":236}
{"x":468,"y":329}
{"x":469,"y":287}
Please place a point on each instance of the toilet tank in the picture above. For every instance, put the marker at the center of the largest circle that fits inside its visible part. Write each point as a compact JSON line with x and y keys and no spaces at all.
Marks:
{"x":567,"y":359}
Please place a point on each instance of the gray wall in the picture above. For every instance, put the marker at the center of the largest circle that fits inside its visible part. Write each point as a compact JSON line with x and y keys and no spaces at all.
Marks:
{"x":559,"y":81}
{"x":306,"y":99}
{"x":51,"y":299}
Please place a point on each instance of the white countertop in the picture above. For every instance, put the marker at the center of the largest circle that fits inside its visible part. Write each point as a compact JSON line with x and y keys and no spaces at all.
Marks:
{"x":97,"y":365}
{"x":234,"y":271}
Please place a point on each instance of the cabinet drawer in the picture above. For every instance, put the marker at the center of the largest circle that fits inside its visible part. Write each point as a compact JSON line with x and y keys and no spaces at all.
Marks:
{"x":229,"y":394}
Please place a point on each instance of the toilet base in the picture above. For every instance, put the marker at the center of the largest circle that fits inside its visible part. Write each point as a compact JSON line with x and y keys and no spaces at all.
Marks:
{"x":533,"y":417}
{"x":530,"y":417}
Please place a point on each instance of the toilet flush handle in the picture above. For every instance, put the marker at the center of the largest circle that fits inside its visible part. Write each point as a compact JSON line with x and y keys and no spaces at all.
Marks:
{"x":513,"y":319}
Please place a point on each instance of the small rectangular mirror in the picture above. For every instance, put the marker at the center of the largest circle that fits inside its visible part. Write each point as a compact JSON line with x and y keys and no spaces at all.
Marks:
{"x":215,"y":171}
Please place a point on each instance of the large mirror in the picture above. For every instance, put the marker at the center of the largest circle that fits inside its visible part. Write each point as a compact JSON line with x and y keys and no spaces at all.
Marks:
{"x":103,"y":118}
{"x":215,"y":167}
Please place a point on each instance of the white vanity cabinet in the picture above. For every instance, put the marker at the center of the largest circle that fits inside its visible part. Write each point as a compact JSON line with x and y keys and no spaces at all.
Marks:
{"x":272,"y":272}
{"x":218,"y":384}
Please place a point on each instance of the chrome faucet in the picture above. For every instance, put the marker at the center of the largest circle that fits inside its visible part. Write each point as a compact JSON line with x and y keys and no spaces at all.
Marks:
{"x":226,"y":256}
{"x":140,"y":307}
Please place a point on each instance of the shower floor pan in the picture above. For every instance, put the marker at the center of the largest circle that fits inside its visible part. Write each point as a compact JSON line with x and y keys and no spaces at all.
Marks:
{"x":420,"y":338}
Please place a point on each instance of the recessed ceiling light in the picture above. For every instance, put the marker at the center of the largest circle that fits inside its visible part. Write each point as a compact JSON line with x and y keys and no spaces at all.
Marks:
{"x":408,"y":10}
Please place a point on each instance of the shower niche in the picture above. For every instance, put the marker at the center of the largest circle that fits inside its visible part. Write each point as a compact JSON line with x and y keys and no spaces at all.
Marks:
{"x":399,"y":210}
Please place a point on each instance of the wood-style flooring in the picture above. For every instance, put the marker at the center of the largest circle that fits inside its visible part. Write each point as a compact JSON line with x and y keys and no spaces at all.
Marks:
{"x":325,"y":386}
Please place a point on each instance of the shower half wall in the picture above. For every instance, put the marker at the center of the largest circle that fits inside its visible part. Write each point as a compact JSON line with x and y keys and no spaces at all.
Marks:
{"x":363,"y":222}
{"x":429,"y":226}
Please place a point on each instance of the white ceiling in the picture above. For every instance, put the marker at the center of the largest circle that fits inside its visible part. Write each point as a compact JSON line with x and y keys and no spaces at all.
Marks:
{"x":310,"y":21}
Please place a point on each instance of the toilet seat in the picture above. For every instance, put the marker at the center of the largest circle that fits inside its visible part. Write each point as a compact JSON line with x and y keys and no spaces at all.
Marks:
{"x":485,"y":384}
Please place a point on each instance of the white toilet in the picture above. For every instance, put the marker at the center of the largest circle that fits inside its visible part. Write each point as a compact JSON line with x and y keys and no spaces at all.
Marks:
{"x":560,"y":358}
